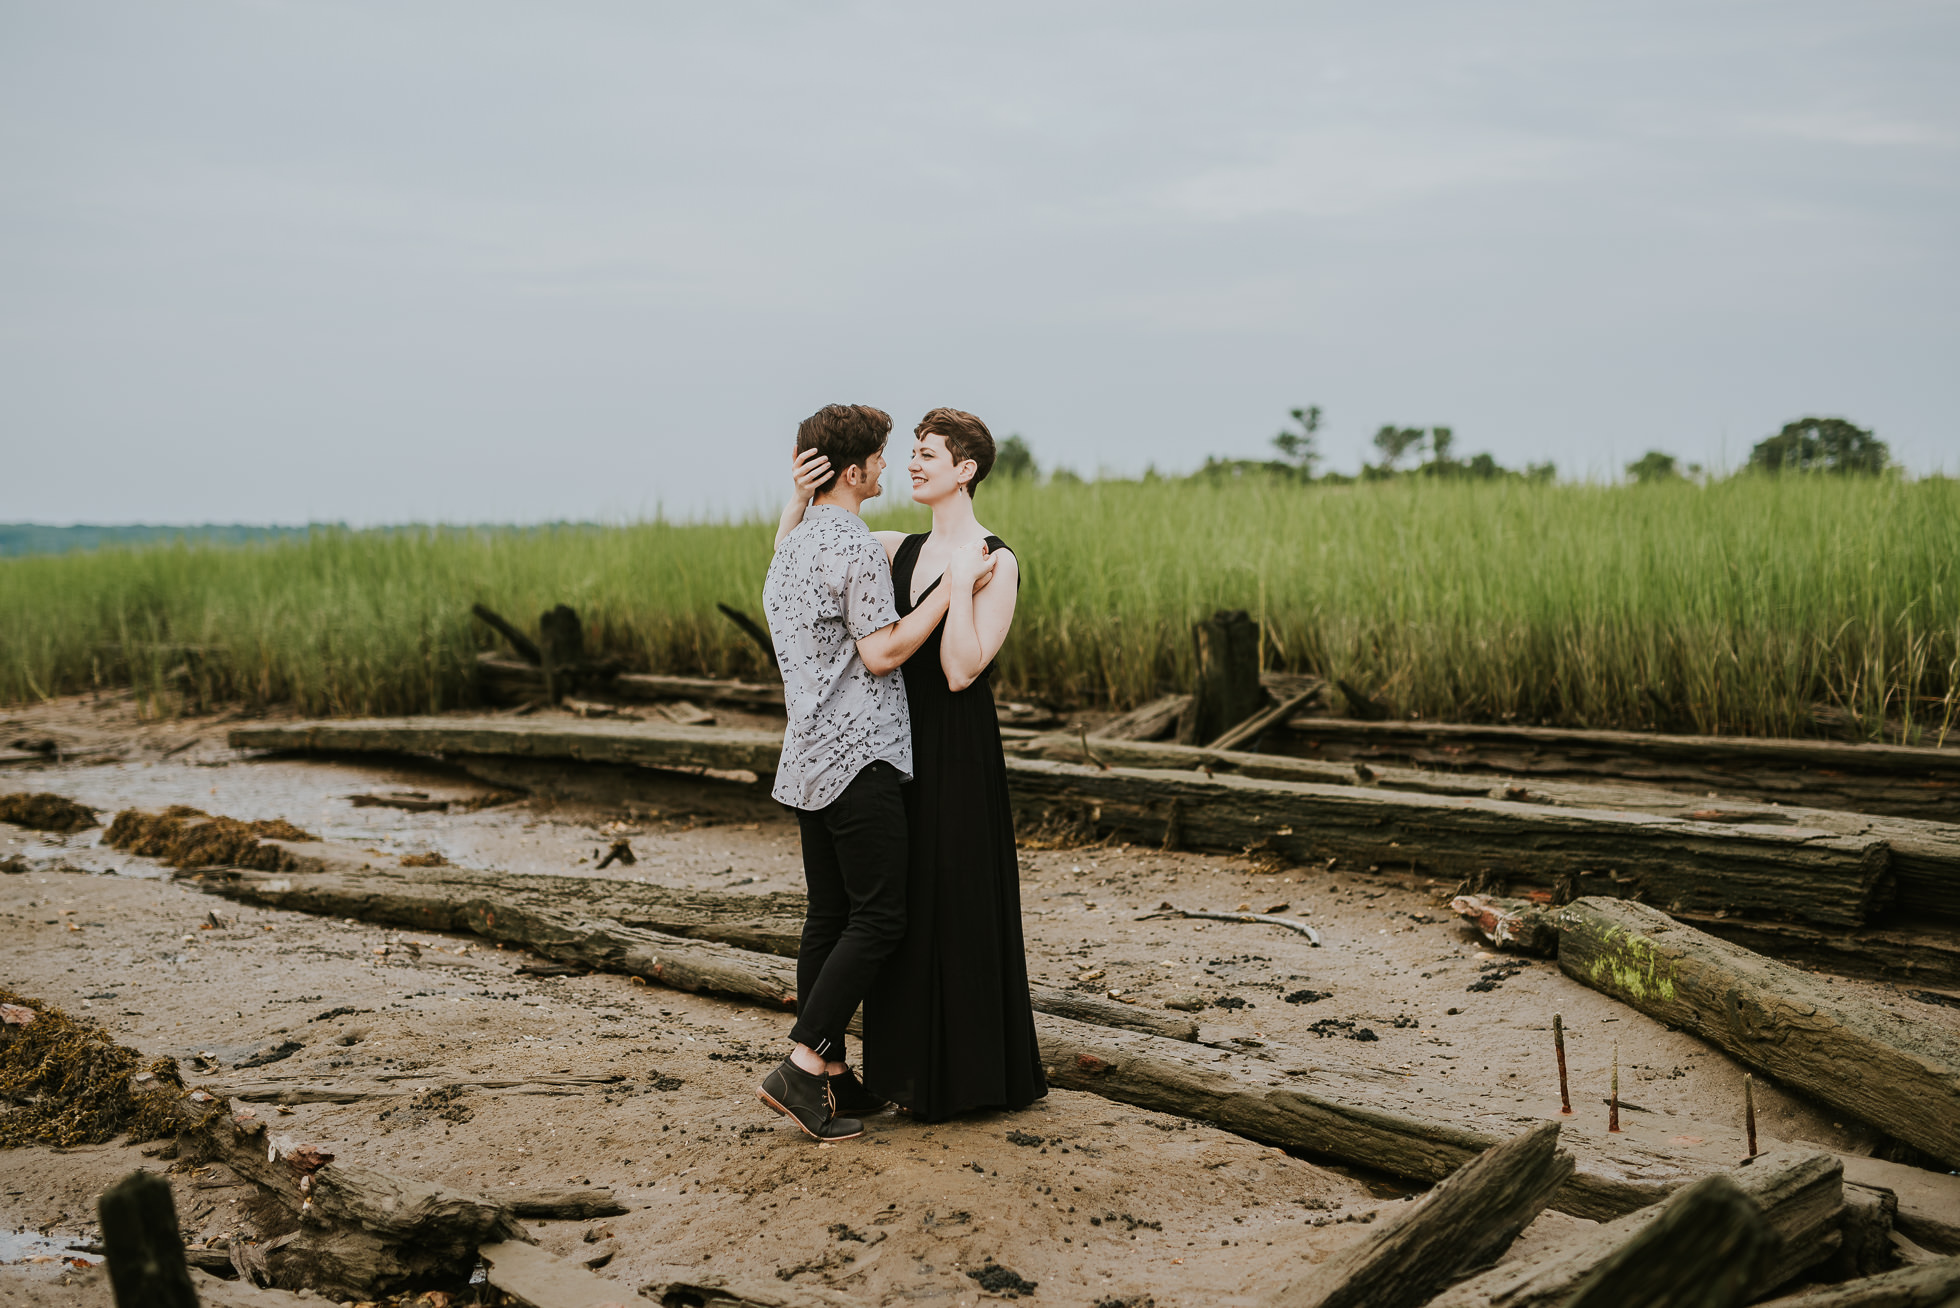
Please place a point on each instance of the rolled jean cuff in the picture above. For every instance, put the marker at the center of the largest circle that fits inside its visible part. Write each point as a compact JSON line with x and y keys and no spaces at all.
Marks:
{"x":831,"y":1051}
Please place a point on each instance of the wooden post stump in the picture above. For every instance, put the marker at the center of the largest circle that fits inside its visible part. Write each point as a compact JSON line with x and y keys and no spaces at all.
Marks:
{"x":1227,"y":690}
{"x":142,"y":1244}
{"x":562,"y":641}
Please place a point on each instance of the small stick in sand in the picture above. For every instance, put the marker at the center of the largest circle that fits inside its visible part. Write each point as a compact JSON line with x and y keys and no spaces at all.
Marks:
{"x":1558,"y":1044}
{"x":1291,"y":924}
{"x":1749,"y":1110}
{"x":1613,"y":1108}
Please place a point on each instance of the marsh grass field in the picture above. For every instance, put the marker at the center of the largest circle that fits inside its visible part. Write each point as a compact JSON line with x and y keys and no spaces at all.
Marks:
{"x":1732,"y":607}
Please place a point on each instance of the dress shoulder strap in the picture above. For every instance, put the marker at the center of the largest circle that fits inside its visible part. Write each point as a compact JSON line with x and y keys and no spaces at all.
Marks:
{"x":904,"y":559}
{"x":995,"y":544}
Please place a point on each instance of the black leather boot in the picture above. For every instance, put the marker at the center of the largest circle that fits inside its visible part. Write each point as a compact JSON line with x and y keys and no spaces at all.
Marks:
{"x":852,"y":1097}
{"x":806,"y":1100}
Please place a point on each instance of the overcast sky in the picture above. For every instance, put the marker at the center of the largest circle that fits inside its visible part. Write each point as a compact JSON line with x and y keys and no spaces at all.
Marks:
{"x":281,"y":261}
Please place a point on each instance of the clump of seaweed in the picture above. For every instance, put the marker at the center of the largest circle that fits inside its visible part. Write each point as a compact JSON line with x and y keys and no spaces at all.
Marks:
{"x":1057,"y":826}
{"x":187,"y":837}
{"x":68,"y":1083}
{"x":44,"y":812}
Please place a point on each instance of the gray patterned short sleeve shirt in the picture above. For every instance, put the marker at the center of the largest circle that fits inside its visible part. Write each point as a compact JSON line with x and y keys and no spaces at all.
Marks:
{"x":829,"y":585}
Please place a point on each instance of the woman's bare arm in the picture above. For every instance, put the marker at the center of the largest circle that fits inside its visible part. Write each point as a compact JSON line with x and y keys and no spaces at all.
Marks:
{"x":977,"y":621}
{"x":808,"y":471}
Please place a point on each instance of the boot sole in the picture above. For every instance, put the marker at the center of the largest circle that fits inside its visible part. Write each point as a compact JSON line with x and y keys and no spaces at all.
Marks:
{"x":764,"y":1096}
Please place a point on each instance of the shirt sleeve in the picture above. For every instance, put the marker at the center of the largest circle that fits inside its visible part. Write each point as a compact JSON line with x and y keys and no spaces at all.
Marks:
{"x":869,"y":601}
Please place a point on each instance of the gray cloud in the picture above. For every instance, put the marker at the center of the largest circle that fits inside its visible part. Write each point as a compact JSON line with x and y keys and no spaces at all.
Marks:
{"x":273,"y":260}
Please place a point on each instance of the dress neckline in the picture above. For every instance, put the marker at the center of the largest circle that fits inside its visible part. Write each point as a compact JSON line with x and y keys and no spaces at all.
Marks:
{"x":907,"y":557}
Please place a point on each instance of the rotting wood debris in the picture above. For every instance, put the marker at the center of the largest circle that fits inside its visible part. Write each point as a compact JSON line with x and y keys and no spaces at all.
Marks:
{"x":1242,"y":1094}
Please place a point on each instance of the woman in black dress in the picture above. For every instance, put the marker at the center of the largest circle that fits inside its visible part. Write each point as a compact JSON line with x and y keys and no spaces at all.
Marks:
{"x":948,"y":1028}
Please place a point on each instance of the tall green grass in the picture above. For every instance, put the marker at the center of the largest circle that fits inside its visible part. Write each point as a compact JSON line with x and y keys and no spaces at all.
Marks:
{"x":1731,"y":607}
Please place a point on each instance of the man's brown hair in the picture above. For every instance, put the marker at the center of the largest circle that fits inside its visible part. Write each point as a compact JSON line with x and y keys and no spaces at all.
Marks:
{"x":848,"y":434}
{"x":966,"y":438}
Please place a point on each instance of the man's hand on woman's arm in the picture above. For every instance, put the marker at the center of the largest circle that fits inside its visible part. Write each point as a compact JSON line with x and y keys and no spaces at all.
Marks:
{"x":808,"y":470}
{"x":888,"y":648}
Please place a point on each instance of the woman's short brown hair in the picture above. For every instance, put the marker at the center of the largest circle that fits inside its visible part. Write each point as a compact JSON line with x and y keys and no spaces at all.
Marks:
{"x":966,"y":438}
{"x":848,"y":434}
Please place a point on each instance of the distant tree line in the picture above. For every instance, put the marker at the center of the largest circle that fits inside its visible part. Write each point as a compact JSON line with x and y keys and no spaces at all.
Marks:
{"x":1431,"y":451}
{"x":1835,"y":446}
{"x":20,"y":538}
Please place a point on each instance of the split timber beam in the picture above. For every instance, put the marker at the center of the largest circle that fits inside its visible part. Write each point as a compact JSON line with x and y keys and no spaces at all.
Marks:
{"x":1900,"y":1076}
{"x":738,"y":945}
{"x":1925,"y":854}
{"x":1901,"y":780}
{"x":1350,"y":1112}
{"x":1821,"y":877}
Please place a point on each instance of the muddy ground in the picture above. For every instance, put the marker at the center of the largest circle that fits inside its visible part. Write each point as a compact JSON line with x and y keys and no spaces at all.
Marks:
{"x":651,"y":1091}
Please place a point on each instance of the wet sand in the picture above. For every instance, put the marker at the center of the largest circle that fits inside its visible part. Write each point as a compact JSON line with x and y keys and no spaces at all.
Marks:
{"x":651,"y":1091}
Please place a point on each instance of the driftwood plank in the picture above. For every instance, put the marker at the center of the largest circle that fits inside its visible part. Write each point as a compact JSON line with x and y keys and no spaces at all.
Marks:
{"x":529,"y":1276}
{"x":1345,"y":1111}
{"x":1689,"y":866}
{"x":1707,"y":1247}
{"x":142,"y":1244}
{"x":1927,"y":1285}
{"x":678,"y":938}
{"x":1902,"y":780}
{"x":653,"y":745}
{"x":509,"y":679}
{"x":335,"y":1227}
{"x":1925,"y":954}
{"x":1797,"y":1027}
{"x":1151,"y":721}
{"x":575,"y":1204}
{"x":1925,"y":854}
{"x":1465,"y":1223}
{"x":1800,"y":1194}
{"x":1696,"y":867}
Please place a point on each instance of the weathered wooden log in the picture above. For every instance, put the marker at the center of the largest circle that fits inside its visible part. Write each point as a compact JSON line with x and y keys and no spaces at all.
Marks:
{"x":1928,"y":1202}
{"x":678,"y":938}
{"x":509,"y":680}
{"x":1901,"y":780}
{"x":1151,"y":721}
{"x":536,"y":1279}
{"x":1348,"y":1112}
{"x":1515,"y":925}
{"x":1800,"y":1194}
{"x":649,"y":744}
{"x":526,"y":648}
{"x":752,"y":630}
{"x":335,"y":1227}
{"x":1227,"y":690}
{"x":689,"y":1287}
{"x":142,"y":1244}
{"x":1911,"y":955}
{"x":1345,"y":1111}
{"x":1247,"y":733}
{"x":1465,"y":1223}
{"x":1850,"y":1053}
{"x":570,"y":1205}
{"x":1754,"y":869}
{"x":1708,"y":1247}
{"x":1925,"y":854}
{"x":1686,"y":866}
{"x":1926,"y":1285}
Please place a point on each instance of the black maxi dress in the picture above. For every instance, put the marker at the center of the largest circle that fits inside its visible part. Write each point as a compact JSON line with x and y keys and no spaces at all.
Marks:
{"x":948,"y":1028}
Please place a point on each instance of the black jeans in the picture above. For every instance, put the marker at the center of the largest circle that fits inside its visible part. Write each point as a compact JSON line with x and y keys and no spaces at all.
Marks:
{"x":854,"y":862}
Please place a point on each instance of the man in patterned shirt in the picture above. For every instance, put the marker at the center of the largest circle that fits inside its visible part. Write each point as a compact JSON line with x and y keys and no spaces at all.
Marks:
{"x":848,"y":746}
